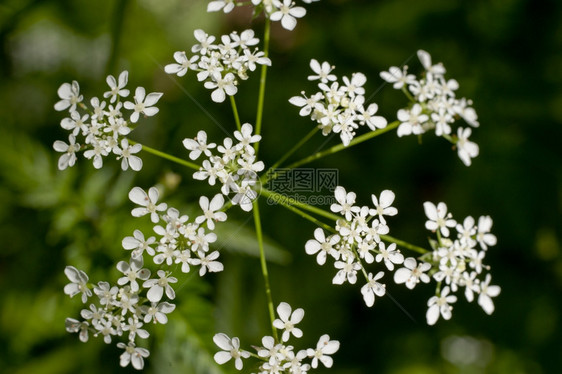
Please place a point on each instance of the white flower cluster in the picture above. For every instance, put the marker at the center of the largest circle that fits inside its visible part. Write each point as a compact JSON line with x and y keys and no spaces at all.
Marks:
{"x":221,"y":65}
{"x":458,"y":261}
{"x":338,"y":107}
{"x":434,"y":105}
{"x":123,"y":309}
{"x":235,"y":167}
{"x":103,"y":128}
{"x":279,"y":357}
{"x":358,"y":241}
{"x":455,"y":263}
{"x":276,"y":10}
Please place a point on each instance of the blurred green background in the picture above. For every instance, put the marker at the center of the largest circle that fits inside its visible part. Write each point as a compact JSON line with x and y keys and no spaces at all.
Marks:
{"x":507,"y":57}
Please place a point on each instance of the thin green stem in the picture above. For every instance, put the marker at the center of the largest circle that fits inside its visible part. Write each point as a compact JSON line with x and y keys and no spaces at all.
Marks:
{"x":291,"y":201}
{"x":166,"y":156}
{"x":263,"y":78}
{"x":267,"y":176}
{"x":264,"y":271}
{"x":404,"y":244}
{"x":235,"y":111}
{"x":339,"y":147}
{"x":299,"y":212}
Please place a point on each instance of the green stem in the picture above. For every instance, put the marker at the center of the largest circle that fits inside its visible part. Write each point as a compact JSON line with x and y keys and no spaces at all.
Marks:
{"x":299,"y":212}
{"x":266,"y":177}
{"x":264,"y":271}
{"x":291,"y":201}
{"x":340,"y":147}
{"x":166,"y":156}
{"x":263,"y":78}
{"x":235,"y":111}
{"x":404,"y":244}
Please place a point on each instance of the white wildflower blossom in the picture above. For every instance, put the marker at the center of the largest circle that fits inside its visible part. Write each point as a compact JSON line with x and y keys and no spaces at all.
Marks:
{"x":231,"y":350}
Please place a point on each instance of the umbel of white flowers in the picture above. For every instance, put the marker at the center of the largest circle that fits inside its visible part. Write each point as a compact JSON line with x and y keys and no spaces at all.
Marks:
{"x":279,"y":356}
{"x":103,"y":127}
{"x":120,"y":311}
{"x":456,"y":260}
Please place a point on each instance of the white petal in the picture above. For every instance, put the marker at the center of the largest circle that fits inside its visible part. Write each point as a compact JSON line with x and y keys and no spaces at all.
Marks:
{"x":138,"y":196}
{"x":432,"y":314}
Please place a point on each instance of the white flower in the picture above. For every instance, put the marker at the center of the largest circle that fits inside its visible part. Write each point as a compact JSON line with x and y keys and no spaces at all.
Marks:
{"x":143,"y":104}
{"x":483,"y":236}
{"x":75,"y":123}
{"x":411,"y":120}
{"x":287,"y":13}
{"x":198,"y":145}
{"x":68,"y":158}
{"x":324,"y":347}
{"x":390,"y":255}
{"x":486,"y":294}
{"x":132,"y":270}
{"x":398,"y":77}
{"x":138,"y":244}
{"x":372,"y":288}
{"x":322,"y":245}
{"x":117,"y":89}
{"x":322,"y":71}
{"x":222,"y":86}
{"x":307,"y":104}
{"x":346,"y":201}
{"x":134,"y":328}
{"x":467,"y":150}
{"x":231,"y":349}
{"x":348,"y":271}
{"x":134,"y":355}
{"x":367,"y":116}
{"x":245,"y":137}
{"x":383,"y":205}
{"x":70,"y":96}
{"x":288,"y":320}
{"x":439,"y":305}
{"x":99,"y":150}
{"x":158,"y":286}
{"x":208,"y":263}
{"x":183,"y":64}
{"x":210,"y":211}
{"x":157,"y":312}
{"x":148,"y":202}
{"x":105,"y":293}
{"x":425,"y":59}
{"x":79,"y":283}
{"x":412,"y":273}
{"x":225,"y":5}
{"x":72,"y":325}
{"x":126,"y":153}
{"x":439,"y":219}
{"x":205,"y":42}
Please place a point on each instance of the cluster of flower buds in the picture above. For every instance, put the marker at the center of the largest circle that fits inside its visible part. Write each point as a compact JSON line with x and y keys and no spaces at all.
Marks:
{"x":278,"y":356}
{"x":434,"y":105}
{"x":137,"y":299}
{"x":221,"y":65}
{"x":338,"y":107}
{"x":102,"y":128}
{"x":235,"y":167}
